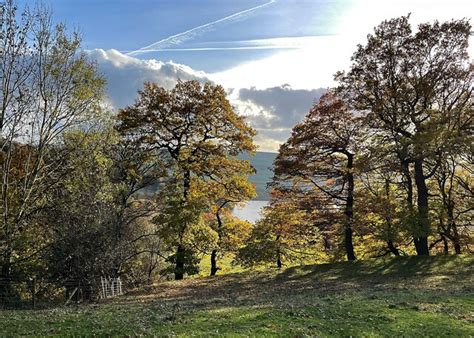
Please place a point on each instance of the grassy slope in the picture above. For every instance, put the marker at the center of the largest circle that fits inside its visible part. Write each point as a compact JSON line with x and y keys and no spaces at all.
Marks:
{"x":427,"y":296}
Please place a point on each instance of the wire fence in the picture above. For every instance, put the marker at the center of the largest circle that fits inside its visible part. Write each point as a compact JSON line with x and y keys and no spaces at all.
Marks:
{"x":111,"y":287}
{"x":42,"y":293}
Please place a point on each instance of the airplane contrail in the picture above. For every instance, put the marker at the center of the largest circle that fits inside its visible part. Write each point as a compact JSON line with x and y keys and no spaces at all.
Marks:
{"x":297,"y":42}
{"x":191,"y":33}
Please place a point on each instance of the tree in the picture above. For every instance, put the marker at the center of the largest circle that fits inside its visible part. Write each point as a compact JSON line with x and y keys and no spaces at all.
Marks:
{"x":48,"y":87}
{"x":323,"y":153}
{"x":224,"y":195}
{"x":283,"y":235}
{"x":195,"y":129}
{"x":134,"y":169}
{"x":80,"y":214}
{"x":383,"y":214}
{"x":98,"y":224}
{"x":454,"y":199}
{"x":417,"y":91}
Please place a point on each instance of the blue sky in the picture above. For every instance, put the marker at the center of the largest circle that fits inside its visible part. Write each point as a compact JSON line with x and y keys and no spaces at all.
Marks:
{"x":275,"y":57}
{"x":129,"y":25}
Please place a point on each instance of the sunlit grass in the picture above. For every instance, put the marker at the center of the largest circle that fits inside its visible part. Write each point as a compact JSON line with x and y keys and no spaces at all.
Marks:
{"x":430,"y":296}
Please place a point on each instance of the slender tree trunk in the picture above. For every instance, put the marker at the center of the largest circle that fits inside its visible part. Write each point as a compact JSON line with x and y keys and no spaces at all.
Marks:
{"x":150,"y":270}
{"x":422,"y":201}
{"x":214,"y":267}
{"x":457,"y":248}
{"x":278,"y":253}
{"x":409,"y":198}
{"x":180,"y":251}
{"x":179,"y":270}
{"x":456,"y":241}
{"x":392,"y":248}
{"x":348,"y":235}
{"x":348,"y":232}
{"x":452,"y":225}
{"x":445,"y":245}
{"x":390,"y":244}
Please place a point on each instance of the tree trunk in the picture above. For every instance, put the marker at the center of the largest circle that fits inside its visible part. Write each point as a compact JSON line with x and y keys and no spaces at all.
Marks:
{"x":348,"y":243}
{"x":5,"y":278}
{"x":456,"y":242}
{"x":179,"y":269}
{"x":421,"y":242}
{"x":457,"y":248}
{"x":390,"y":244}
{"x":180,"y":251}
{"x":445,"y":245}
{"x":392,"y":248}
{"x":452,"y":225}
{"x":409,"y":199}
{"x":279,"y":265}
{"x":214,"y":267}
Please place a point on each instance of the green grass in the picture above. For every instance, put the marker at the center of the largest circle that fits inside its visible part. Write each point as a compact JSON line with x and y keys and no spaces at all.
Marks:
{"x":415,"y":296}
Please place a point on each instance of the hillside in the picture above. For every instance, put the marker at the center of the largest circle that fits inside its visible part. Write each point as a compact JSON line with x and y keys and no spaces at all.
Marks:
{"x":406,"y":296}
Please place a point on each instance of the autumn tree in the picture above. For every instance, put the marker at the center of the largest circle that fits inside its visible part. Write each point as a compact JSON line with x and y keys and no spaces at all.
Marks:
{"x":195,"y":129}
{"x":283,"y":235}
{"x":323,"y":153}
{"x":134,"y":171}
{"x":80,"y":213}
{"x":48,"y":87}
{"x":416,"y":88}
{"x":382,"y":213}
{"x":453,"y":199}
{"x":225,"y":194}
{"x":98,"y":223}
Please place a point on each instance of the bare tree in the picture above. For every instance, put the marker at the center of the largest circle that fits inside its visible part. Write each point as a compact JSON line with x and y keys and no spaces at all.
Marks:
{"x":47,"y":88}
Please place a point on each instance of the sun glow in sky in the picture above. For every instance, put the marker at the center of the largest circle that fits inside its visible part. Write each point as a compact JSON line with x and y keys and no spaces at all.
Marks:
{"x":254,"y":48}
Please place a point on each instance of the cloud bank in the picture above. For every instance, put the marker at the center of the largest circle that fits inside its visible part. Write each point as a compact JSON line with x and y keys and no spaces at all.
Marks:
{"x":271,"y":111}
{"x":125,"y":75}
{"x":274,"y":111}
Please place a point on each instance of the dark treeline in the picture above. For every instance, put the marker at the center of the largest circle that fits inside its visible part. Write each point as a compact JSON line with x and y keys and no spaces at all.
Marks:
{"x":382,"y":164}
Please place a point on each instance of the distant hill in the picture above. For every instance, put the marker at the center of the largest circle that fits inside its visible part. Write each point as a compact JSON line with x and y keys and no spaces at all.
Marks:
{"x":263,"y":163}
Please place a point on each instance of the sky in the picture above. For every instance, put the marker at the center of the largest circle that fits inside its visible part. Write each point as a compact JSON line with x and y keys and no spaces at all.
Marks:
{"x":274,"y":57}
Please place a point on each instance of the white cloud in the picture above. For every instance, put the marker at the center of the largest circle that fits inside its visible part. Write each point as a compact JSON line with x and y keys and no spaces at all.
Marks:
{"x":272,"y":111}
{"x":312,"y":65}
{"x":125,"y":75}
{"x":366,"y":14}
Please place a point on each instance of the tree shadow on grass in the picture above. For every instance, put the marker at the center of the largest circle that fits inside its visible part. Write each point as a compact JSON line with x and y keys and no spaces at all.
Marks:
{"x":267,"y":287}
